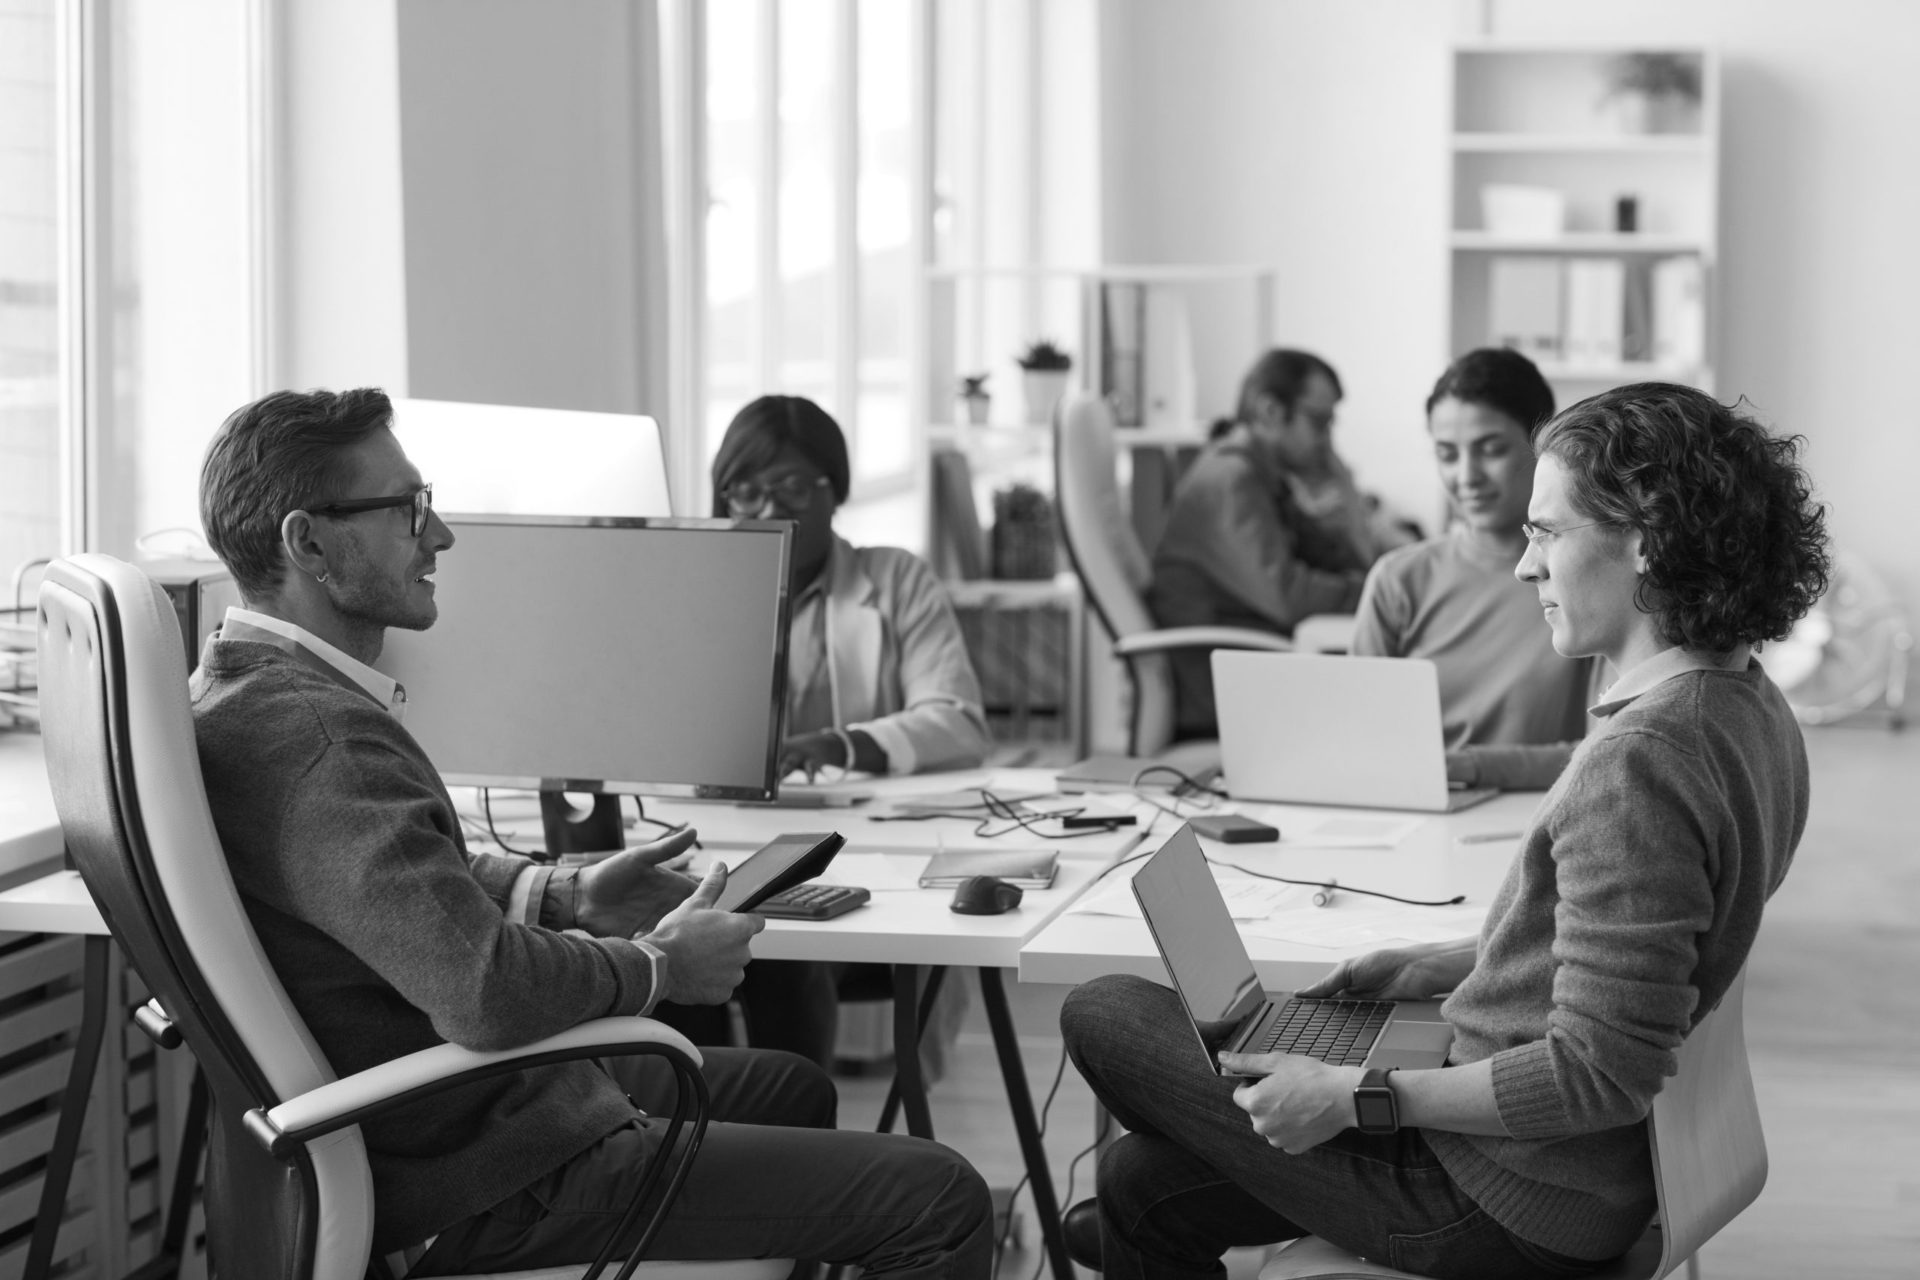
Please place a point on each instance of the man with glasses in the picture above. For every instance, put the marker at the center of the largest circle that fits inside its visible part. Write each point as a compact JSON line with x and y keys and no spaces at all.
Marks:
{"x":390,"y":935}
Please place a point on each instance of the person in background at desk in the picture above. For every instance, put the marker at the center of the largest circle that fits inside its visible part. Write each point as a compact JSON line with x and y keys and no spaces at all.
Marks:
{"x":1669,"y":535}
{"x":390,"y":936}
{"x":878,"y":678}
{"x":1511,"y":707}
{"x":1238,"y":549}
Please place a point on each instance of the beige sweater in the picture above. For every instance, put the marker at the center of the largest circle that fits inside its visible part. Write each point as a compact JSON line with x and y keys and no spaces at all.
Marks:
{"x":1631,"y":906}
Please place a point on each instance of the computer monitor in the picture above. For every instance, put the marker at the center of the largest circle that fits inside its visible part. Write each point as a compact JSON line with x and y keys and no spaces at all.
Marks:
{"x":500,"y":459}
{"x":603,"y":655}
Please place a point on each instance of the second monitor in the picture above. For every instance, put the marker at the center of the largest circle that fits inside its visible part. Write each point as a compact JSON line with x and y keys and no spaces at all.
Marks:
{"x":600,"y":655}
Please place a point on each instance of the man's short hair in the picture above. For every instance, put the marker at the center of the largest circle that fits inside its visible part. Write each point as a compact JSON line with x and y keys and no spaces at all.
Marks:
{"x":1283,"y":373}
{"x":284,"y":452}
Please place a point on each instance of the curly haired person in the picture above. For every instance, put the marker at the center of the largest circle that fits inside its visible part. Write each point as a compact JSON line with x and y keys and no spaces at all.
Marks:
{"x":1668,"y":534}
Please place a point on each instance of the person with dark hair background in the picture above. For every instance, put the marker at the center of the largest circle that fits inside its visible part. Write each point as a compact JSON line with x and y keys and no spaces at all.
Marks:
{"x":1668,"y":534}
{"x":1238,"y":550}
{"x":878,"y":677}
{"x":1511,"y":708}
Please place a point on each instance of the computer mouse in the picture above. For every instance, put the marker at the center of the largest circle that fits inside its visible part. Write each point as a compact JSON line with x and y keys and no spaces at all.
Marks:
{"x":985,"y":896}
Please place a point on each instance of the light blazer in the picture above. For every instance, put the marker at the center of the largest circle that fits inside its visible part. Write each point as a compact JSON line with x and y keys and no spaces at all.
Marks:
{"x":896,"y":664}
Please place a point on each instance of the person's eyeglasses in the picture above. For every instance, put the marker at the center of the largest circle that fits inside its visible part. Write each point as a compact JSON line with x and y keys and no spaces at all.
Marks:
{"x":795,"y":493}
{"x":1536,"y":536}
{"x":419,"y":506}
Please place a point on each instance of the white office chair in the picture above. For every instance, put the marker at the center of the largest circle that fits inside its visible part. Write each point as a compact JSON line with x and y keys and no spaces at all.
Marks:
{"x":288,"y":1190}
{"x":1709,"y":1163}
{"x":1114,"y":571}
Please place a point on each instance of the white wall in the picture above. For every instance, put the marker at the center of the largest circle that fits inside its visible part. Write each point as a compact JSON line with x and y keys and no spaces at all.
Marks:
{"x":1309,"y":133}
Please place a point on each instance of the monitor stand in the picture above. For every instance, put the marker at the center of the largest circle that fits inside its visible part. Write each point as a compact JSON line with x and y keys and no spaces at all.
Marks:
{"x":581,"y":831}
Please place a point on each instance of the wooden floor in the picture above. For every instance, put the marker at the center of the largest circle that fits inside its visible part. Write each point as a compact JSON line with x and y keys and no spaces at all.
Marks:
{"x":1833,"y":1027}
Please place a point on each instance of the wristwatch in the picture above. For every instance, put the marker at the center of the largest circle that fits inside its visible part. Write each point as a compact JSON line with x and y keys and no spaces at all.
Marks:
{"x":1374,"y":1107}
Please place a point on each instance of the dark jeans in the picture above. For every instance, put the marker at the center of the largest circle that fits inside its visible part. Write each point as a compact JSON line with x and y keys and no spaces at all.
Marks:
{"x":789,"y":1004}
{"x":772,"y":1179}
{"x":1191,"y":1178}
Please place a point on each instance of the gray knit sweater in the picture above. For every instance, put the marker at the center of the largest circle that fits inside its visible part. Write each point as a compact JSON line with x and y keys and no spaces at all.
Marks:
{"x":390,"y":937}
{"x":1629,"y":909}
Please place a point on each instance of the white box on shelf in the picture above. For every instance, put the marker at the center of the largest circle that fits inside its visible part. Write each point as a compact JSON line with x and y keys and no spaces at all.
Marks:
{"x":1509,"y":209}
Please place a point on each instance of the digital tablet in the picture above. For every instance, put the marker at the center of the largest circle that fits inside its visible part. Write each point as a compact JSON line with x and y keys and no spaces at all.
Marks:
{"x":784,"y":862}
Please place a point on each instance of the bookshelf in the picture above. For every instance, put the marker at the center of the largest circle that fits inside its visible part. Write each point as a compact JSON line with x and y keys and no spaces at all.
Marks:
{"x":1593,"y":302}
{"x":1127,"y":329}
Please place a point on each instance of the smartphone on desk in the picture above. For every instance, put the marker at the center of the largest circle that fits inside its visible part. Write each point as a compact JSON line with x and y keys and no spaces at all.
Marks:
{"x":785,"y":861}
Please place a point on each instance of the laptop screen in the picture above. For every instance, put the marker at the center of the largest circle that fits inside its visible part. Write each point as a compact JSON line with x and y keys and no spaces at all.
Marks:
{"x":1194,"y":931}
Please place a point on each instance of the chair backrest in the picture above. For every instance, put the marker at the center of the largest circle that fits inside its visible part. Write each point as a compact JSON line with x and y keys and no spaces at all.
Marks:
{"x":1709,"y":1156}
{"x":1113,"y":568}
{"x":125,"y":774}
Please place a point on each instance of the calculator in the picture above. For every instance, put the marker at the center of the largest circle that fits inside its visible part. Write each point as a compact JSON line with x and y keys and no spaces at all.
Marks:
{"x":813,"y":902}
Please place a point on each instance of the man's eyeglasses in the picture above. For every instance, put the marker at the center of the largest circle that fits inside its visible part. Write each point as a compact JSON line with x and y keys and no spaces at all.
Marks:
{"x":419,"y":506}
{"x":795,"y":493}
{"x":1536,"y":536}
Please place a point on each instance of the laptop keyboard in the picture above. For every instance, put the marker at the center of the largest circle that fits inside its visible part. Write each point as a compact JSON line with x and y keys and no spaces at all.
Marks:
{"x":1340,"y":1032}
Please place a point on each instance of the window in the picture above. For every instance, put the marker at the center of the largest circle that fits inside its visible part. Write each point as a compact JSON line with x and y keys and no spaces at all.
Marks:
{"x":808,"y":141}
{"x":31,"y":507}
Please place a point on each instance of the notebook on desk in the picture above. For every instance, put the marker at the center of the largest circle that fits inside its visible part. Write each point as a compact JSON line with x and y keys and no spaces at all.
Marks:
{"x":1217,"y":985}
{"x":1299,"y":728}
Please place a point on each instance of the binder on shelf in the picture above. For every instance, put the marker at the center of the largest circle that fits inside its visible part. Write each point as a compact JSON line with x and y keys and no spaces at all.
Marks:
{"x":1680,"y":312}
{"x":1524,"y":305}
{"x":958,"y":548}
{"x":1596,"y":311}
{"x":1122,"y":367}
{"x":1171,"y":402}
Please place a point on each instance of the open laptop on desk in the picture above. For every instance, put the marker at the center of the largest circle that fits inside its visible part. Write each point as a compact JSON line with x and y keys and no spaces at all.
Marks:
{"x":1215,"y":980}
{"x":1299,"y":728}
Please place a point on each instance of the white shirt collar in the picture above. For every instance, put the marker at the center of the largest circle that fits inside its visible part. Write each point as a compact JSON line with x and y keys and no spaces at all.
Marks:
{"x":382,"y":689}
{"x":1662,"y":667}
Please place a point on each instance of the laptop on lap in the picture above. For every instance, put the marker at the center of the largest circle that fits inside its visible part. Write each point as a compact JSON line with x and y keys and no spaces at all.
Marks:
{"x":1215,"y":980}
{"x":1300,"y":728}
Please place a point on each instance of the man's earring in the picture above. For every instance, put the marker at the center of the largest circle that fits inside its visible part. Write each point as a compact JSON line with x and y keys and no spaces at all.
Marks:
{"x":320,"y":577}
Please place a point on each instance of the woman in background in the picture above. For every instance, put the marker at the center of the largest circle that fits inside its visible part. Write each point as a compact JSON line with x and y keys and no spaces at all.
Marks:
{"x":1512,"y":709}
{"x":878,"y":678}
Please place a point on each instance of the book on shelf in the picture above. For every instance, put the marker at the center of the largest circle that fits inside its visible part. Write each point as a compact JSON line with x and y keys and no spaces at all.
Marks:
{"x":1596,"y":311}
{"x":958,"y":550}
{"x":1524,"y":305}
{"x":1122,"y":368}
{"x":1679,"y":290}
{"x":1168,"y":385}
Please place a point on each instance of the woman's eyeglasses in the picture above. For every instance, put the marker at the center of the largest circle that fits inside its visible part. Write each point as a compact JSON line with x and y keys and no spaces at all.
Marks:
{"x":795,"y":493}
{"x":419,"y":506}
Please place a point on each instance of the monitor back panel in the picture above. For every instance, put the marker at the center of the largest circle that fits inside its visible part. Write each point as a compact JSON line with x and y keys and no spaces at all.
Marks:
{"x":1303,"y":728}
{"x":649,"y":655}
{"x":499,"y":459}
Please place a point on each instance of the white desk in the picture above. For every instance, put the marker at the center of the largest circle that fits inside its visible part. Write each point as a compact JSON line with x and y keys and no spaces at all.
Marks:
{"x":30,"y":837}
{"x":1432,"y":862}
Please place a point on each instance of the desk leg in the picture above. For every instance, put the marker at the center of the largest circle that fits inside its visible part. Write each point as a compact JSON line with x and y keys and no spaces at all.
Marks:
{"x":73,"y":1108}
{"x":907,"y":1078}
{"x":892,"y":1107}
{"x":186,"y":1169}
{"x":1020,"y":1102}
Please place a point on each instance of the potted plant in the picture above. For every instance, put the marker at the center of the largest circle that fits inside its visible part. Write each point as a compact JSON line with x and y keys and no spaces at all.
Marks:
{"x":975,"y":400}
{"x":1653,"y":92}
{"x":1044,"y":369}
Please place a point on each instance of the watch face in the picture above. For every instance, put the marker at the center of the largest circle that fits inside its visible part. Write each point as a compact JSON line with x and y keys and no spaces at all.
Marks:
{"x":1374,"y":1110}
